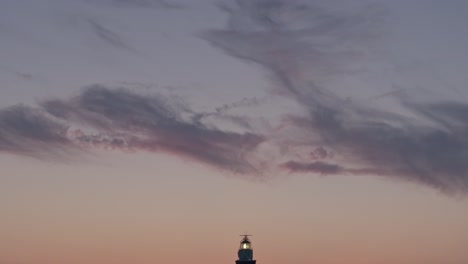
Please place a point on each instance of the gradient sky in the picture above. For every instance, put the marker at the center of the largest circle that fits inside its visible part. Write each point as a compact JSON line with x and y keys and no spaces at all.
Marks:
{"x":152,"y":131}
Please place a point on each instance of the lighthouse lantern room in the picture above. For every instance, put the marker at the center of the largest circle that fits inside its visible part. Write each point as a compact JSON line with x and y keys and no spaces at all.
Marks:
{"x":245,"y":252}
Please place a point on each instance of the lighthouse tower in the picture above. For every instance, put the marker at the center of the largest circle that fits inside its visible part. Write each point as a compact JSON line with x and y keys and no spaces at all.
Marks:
{"x":245,"y":252}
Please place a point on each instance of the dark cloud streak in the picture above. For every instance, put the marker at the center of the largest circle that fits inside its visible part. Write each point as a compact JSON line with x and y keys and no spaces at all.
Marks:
{"x":118,"y":119}
{"x":108,"y":35}
{"x":138,"y":3}
{"x":31,"y":132}
{"x":133,"y":122}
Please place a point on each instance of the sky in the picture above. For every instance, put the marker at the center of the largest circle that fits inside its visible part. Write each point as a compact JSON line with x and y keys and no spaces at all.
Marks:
{"x":158,"y":131}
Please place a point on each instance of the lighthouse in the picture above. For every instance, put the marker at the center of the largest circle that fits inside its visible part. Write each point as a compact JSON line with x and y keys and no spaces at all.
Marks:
{"x":245,"y":252}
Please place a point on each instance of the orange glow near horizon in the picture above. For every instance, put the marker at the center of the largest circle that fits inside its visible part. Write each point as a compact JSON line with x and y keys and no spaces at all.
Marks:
{"x":194,"y":216}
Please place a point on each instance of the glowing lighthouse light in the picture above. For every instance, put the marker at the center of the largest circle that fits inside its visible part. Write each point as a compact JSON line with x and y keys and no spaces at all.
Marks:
{"x":245,"y":244}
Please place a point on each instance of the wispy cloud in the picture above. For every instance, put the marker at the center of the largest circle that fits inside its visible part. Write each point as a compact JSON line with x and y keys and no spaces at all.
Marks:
{"x":137,"y":3}
{"x":302,"y":44}
{"x":119,"y":119}
{"x":108,"y":35}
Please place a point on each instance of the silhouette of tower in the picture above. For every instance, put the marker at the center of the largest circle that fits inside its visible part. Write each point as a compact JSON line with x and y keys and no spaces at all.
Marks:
{"x":245,"y":252}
